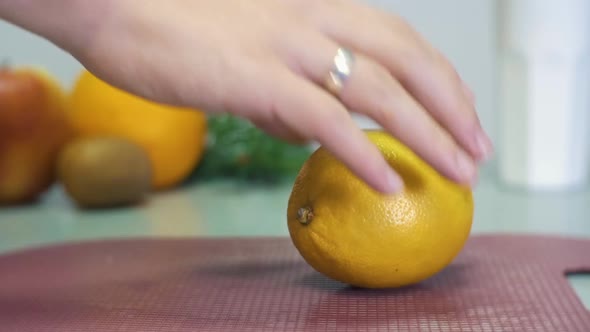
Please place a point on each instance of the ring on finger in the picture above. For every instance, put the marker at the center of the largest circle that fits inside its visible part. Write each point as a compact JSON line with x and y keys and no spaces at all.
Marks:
{"x":341,"y":70}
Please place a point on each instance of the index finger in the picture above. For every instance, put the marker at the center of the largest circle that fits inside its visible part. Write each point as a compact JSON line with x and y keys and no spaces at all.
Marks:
{"x":316,"y":114}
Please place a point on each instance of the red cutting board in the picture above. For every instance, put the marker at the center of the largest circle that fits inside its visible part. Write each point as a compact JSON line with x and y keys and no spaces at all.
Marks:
{"x":498,"y":283}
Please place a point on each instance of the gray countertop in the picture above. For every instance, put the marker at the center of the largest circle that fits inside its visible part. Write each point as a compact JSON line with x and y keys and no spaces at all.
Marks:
{"x":220,"y":209}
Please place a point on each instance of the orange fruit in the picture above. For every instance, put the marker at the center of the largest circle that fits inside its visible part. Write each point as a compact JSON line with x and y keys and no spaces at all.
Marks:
{"x":173,"y":137}
{"x":351,"y":233}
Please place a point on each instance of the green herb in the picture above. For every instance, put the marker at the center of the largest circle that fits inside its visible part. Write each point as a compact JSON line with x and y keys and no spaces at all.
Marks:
{"x":237,"y":149}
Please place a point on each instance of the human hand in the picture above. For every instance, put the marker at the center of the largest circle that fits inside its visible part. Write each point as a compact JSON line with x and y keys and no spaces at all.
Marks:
{"x":267,"y":61}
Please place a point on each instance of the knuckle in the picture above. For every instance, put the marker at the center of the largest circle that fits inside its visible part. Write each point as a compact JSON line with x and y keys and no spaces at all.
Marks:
{"x":400,"y":24}
{"x":419,"y":59}
{"x":385,"y":93}
{"x":387,"y":117}
{"x":468,"y":128}
{"x":336,"y":117}
{"x":411,"y":60}
{"x":384,"y":114}
{"x":443,"y":142}
{"x":382,"y":83}
{"x":445,"y":64}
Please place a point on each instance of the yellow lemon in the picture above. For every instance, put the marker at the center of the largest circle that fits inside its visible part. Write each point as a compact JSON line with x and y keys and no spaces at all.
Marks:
{"x":358,"y":236}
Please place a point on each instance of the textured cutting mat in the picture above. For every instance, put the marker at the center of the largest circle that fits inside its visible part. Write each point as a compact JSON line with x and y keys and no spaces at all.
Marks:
{"x":498,"y":283}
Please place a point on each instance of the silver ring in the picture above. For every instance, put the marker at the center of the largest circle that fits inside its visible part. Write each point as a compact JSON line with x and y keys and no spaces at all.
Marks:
{"x":343,"y":62}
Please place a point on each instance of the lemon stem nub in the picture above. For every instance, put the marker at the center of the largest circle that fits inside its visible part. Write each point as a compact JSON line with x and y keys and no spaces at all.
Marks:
{"x":305,"y":215}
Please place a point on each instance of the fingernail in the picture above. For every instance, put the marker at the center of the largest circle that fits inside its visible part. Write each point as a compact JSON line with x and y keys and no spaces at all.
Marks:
{"x":393,"y":182}
{"x":465,"y":167}
{"x":484,"y":146}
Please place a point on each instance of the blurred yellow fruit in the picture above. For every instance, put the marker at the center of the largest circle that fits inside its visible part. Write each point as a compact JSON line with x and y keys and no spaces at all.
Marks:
{"x":173,"y":137}
{"x":355,"y":235}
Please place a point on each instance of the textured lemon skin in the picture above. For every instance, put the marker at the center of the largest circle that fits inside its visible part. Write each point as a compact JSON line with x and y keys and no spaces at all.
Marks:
{"x":360,"y":237}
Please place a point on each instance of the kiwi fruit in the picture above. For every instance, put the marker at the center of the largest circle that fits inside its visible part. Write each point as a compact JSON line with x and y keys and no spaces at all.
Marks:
{"x":98,"y":172}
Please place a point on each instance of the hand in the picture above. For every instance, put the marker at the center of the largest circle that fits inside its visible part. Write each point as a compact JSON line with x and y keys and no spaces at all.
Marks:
{"x":267,"y":61}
